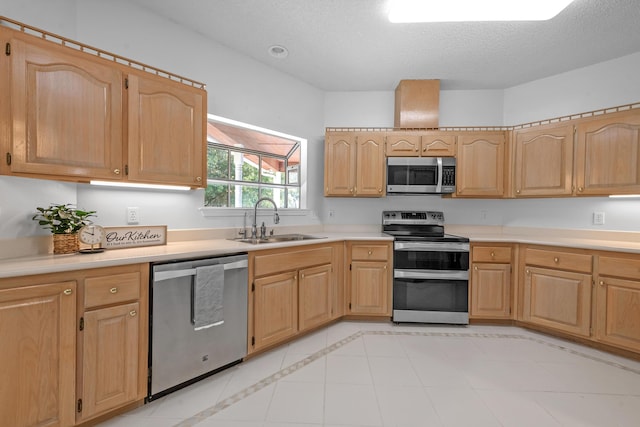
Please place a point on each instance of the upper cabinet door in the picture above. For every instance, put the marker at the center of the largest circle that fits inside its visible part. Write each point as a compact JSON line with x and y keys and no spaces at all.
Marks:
{"x":403,"y":144}
{"x":435,"y":144}
{"x":543,"y":161}
{"x":166,"y":137}
{"x":370,"y":170}
{"x":608,"y":155}
{"x":66,"y":113}
{"x":340,"y":164}
{"x":480,"y":164}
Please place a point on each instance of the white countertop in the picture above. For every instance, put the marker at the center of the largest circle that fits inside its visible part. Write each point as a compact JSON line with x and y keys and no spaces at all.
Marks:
{"x":199,"y":243}
{"x":185,"y":249}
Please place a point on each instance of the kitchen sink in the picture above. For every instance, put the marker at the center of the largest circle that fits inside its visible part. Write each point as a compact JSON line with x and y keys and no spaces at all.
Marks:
{"x":276,"y":238}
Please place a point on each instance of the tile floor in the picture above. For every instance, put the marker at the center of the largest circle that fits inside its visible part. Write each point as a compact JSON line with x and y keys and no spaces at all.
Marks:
{"x":379,"y":374}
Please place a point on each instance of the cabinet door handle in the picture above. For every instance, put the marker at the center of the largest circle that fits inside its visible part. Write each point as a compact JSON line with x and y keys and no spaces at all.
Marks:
{"x":556,"y":260}
{"x":113,"y":290}
{"x":198,"y":179}
{"x":116,"y":171}
{"x":580,"y":189}
{"x":601,"y":282}
{"x":517,"y":191}
{"x":67,"y":292}
{"x":133,"y":313}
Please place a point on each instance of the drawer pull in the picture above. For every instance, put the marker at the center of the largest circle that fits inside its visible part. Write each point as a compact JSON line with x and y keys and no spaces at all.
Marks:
{"x":493,"y":254}
{"x":556,"y":260}
{"x":370,"y":252}
{"x":67,"y":292}
{"x":113,"y":290}
{"x":133,"y":313}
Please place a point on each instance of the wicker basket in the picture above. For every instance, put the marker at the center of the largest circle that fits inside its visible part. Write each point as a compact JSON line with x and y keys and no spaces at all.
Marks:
{"x":65,"y":243}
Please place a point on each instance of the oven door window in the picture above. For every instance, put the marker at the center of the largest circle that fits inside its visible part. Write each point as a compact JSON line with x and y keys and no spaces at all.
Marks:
{"x":430,"y":295}
{"x":412,"y":175}
{"x":430,"y":260}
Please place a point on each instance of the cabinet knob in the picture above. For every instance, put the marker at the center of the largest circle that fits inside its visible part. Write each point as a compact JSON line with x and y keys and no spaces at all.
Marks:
{"x":475,"y":267}
{"x":556,"y":260}
{"x":116,"y":171}
{"x":385,"y":267}
{"x":113,"y":290}
{"x":517,"y":191}
{"x":198,"y":179}
{"x":379,"y":190}
{"x":370,"y":252}
{"x":580,"y":189}
{"x":601,"y":282}
{"x":133,"y":313}
{"x":493,"y":254}
{"x":67,"y":292}
{"x":302,"y":276}
{"x":528,"y":271}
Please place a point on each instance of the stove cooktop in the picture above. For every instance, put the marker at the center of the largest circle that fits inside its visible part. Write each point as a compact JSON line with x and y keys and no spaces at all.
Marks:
{"x":417,"y":225}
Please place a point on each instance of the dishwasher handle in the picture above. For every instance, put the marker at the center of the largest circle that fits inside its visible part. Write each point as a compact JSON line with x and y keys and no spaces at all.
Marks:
{"x":172,"y":274}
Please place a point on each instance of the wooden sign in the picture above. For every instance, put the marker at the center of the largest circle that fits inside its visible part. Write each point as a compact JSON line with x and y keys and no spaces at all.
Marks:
{"x":132,"y":237}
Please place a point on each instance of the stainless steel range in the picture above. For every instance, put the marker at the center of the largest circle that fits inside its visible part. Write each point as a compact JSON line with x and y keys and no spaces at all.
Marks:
{"x":430,"y":269}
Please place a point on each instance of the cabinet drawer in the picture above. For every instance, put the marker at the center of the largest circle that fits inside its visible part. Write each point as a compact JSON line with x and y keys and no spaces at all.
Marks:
{"x":558,"y":260}
{"x":105,"y":290}
{"x":498,"y":254}
{"x":287,"y":261}
{"x":619,"y":267}
{"x":370,"y":252}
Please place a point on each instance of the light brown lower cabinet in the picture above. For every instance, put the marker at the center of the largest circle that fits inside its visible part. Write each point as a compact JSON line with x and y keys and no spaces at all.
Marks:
{"x":618,"y":302}
{"x":38,"y":354}
{"x":370,"y":278}
{"x":557,"y":289}
{"x":490,"y":287}
{"x":74,"y":345}
{"x":293,"y":290}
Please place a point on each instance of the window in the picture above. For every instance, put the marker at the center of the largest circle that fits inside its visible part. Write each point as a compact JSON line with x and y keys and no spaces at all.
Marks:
{"x":246,"y":162}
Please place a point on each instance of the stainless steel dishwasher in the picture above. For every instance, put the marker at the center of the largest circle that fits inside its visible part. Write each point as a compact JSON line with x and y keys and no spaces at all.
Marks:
{"x":180,"y":353}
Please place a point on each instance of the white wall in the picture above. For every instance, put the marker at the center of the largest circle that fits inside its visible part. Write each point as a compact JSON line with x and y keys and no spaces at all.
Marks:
{"x":238,"y":88}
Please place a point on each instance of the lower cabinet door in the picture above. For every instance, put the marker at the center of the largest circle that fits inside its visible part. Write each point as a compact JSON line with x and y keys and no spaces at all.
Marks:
{"x":315,"y":296}
{"x":618,"y":308}
{"x":491,"y":291}
{"x":110,"y":358}
{"x":558,"y":299}
{"x":369,"y":288}
{"x":37,"y":355}
{"x":275,"y":308}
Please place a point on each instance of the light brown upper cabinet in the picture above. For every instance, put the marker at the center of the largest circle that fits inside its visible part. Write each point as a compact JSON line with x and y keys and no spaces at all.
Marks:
{"x":426,"y":144}
{"x":166,"y":131}
{"x":480,"y":168}
{"x":354,"y":164}
{"x":66,"y":113}
{"x":543,"y":163}
{"x":608,"y":154}
{"x":79,"y":116}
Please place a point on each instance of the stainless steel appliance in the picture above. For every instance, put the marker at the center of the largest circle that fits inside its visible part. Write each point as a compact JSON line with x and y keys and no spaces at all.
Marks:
{"x":421,"y":175}
{"x":430,"y":269}
{"x":180,"y":352}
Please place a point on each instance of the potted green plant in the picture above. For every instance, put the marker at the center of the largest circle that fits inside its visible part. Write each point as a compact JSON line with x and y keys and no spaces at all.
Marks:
{"x":64,"y":221}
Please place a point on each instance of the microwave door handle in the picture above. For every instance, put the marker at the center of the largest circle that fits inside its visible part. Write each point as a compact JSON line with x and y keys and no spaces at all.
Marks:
{"x":439,"y":169}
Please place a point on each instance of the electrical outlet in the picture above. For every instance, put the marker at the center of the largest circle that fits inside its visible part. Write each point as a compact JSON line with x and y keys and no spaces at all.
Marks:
{"x":598,"y":218}
{"x":483,"y":215}
{"x":332,"y":214}
{"x":133,"y":215}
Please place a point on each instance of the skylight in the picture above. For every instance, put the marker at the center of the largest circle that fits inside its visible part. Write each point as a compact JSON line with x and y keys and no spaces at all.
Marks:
{"x":404,"y":11}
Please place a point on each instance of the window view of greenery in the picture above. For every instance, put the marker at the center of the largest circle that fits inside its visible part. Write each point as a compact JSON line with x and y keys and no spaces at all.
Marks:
{"x":244,"y":164}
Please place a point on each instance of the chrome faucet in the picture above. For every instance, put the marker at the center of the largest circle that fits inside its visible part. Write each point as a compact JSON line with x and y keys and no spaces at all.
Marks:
{"x":254,"y":226}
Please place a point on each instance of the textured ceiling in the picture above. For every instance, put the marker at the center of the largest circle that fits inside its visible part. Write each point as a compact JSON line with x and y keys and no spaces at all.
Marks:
{"x":345,"y":45}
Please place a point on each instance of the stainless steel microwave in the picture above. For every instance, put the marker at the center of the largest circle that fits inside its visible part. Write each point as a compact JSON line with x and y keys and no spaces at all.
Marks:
{"x":421,"y":175}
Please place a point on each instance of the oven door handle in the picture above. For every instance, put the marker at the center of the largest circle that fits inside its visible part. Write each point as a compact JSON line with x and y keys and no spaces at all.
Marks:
{"x":432,"y":246}
{"x":431,"y":274}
